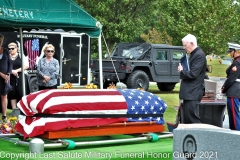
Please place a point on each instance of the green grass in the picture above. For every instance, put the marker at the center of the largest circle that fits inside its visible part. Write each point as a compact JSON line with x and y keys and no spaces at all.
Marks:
{"x":218,"y":70}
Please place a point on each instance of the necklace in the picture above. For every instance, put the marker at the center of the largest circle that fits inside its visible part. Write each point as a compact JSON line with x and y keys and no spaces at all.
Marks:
{"x":14,"y":57}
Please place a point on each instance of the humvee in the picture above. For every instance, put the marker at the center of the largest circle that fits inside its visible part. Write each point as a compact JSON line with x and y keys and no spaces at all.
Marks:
{"x":137,"y":64}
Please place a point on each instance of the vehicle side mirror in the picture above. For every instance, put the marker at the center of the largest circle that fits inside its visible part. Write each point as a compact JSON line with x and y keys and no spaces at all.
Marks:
{"x":209,"y":68}
{"x":106,"y":56}
{"x":131,"y":57}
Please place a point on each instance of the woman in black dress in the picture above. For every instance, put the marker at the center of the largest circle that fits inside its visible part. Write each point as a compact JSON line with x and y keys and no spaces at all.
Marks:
{"x":16,"y":77}
{"x":5,"y":70}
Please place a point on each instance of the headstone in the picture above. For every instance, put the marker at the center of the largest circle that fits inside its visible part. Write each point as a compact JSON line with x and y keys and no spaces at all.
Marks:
{"x":205,"y":142}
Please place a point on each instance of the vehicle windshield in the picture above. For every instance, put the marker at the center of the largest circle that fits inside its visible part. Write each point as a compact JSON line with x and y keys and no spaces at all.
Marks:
{"x":131,"y":50}
{"x":135,"y":52}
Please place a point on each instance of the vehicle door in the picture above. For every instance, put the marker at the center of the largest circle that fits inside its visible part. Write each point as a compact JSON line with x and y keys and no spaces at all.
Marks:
{"x":70,"y":66}
{"x":176,"y":55}
{"x":162,"y":63}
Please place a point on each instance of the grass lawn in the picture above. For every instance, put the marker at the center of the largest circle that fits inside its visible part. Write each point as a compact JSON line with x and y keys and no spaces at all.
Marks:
{"x":218,"y":70}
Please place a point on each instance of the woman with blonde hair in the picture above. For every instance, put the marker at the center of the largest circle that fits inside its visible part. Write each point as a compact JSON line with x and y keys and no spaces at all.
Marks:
{"x":16,"y":76}
{"x":48,"y":69}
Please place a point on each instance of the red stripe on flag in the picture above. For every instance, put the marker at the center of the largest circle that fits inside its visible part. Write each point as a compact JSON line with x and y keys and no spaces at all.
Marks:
{"x":68,"y":101}
{"x":62,"y":124}
{"x":40,"y":99}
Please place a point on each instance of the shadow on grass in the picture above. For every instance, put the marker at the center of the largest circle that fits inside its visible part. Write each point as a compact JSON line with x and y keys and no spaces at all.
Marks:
{"x":163,"y":92}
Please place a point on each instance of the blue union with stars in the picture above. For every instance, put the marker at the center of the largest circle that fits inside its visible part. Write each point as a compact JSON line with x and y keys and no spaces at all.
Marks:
{"x":143,"y":102}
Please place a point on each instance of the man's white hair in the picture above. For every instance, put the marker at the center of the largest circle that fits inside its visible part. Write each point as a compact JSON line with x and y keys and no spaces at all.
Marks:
{"x":190,"y":38}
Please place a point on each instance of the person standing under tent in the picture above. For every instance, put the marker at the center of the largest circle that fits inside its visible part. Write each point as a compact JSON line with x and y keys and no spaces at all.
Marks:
{"x":5,"y":70}
{"x":16,"y":77}
{"x":48,"y":69}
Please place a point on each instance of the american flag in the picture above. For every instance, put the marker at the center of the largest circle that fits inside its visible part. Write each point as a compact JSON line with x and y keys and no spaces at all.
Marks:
{"x":32,"y":47}
{"x":84,"y":101}
{"x":141,"y":102}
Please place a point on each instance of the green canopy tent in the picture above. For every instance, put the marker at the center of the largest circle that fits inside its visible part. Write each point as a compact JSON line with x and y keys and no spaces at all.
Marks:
{"x":48,"y":14}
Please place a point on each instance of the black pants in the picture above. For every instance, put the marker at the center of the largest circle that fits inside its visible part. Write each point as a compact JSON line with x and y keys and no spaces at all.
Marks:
{"x":190,"y":112}
{"x":49,"y":87}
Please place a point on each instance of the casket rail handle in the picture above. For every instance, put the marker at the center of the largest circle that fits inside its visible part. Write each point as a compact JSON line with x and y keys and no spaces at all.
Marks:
{"x":152,"y":137}
{"x":69,"y":143}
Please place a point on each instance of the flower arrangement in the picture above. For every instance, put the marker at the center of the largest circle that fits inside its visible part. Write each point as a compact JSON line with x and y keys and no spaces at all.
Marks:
{"x":111,"y":86}
{"x":8,"y":127}
{"x":91,"y":86}
{"x":67,"y":85}
{"x":141,"y":89}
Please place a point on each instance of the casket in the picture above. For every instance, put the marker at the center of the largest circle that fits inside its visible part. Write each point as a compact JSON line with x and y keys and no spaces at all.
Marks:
{"x":60,"y":113}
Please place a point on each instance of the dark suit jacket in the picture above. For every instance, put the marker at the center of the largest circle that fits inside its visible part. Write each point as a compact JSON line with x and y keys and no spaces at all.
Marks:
{"x":231,"y":87}
{"x":192,"y":82}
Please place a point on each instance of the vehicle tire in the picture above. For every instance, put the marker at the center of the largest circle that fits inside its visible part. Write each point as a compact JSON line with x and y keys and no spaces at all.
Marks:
{"x":138,"y":79}
{"x":166,"y":86}
{"x":33,"y":87}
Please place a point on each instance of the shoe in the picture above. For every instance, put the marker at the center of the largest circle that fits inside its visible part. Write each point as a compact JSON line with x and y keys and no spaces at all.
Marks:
{"x":4,"y":119}
{"x":15,"y":112}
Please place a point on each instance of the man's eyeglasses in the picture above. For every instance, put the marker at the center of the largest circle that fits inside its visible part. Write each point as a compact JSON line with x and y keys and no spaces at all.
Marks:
{"x":52,"y":51}
{"x":185,"y":45}
{"x":11,"y":48}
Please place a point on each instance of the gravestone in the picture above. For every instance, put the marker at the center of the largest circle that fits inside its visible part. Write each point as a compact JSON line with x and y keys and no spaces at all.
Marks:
{"x":205,"y":142}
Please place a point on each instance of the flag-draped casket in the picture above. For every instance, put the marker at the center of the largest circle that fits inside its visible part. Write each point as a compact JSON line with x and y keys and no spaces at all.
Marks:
{"x":85,"y":102}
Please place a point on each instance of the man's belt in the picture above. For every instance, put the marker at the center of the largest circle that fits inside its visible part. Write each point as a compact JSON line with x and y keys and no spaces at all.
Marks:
{"x":237,"y":80}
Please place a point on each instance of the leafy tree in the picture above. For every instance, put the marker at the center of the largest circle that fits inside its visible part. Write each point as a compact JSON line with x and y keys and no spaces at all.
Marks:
{"x":213,"y":22}
{"x":122,"y":20}
{"x":153,"y":36}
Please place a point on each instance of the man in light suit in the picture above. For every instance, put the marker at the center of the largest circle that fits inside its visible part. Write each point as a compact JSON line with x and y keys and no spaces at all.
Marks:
{"x":192,"y":81}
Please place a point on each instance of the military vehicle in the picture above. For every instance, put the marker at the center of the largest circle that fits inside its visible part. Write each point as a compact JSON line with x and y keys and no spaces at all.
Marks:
{"x":137,"y":64}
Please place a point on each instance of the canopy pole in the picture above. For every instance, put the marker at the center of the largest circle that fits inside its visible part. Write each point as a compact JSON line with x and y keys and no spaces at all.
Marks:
{"x":100,"y":61}
{"x":22,"y":56}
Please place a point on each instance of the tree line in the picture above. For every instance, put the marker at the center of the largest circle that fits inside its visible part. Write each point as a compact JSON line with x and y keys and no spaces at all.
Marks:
{"x":213,"y":22}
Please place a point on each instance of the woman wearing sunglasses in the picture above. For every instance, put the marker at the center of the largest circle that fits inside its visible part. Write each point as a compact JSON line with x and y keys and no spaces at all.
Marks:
{"x":48,"y":69}
{"x":16,"y":77}
{"x":5,"y":70}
